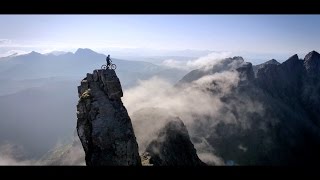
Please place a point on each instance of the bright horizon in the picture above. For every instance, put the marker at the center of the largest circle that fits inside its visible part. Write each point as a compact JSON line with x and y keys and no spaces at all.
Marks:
{"x":260,"y":35}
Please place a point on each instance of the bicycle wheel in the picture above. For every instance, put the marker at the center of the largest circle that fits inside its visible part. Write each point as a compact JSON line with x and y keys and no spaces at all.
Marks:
{"x":113,"y":66}
{"x":104,"y":66}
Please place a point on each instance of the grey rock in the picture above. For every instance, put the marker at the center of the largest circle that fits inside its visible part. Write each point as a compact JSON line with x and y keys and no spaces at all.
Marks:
{"x":312,"y":63}
{"x":259,"y":66}
{"x":285,"y":131}
{"x":282,"y":80}
{"x":89,"y":77}
{"x":311,"y":86}
{"x":103,"y":124}
{"x":246,"y":72}
{"x":172,"y":147}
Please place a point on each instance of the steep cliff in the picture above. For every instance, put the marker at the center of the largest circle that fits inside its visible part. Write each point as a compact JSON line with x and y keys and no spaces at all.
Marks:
{"x":275,"y":116}
{"x":172,"y":147}
{"x":103,"y":125}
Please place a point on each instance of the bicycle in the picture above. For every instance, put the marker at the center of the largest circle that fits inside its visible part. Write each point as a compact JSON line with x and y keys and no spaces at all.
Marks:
{"x":111,"y":66}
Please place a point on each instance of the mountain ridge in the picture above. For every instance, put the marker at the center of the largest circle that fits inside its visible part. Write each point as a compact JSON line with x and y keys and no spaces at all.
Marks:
{"x":289,"y":93}
{"x":284,"y":131}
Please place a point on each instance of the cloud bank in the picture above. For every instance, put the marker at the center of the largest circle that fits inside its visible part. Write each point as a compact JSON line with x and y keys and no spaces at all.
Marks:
{"x":199,"y":104}
{"x":13,"y":155}
{"x":203,"y":62}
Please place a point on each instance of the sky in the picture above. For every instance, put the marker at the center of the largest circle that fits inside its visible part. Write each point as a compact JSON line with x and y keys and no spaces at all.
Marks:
{"x":255,"y":34}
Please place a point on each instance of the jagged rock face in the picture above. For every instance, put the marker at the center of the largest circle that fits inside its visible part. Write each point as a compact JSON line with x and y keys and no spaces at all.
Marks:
{"x":295,"y":82}
{"x":311,"y":86}
{"x":103,"y":125}
{"x":287,"y":129}
{"x":259,"y":66}
{"x":172,"y":147}
{"x":246,"y":72}
{"x":312,"y":63}
{"x":284,"y":80}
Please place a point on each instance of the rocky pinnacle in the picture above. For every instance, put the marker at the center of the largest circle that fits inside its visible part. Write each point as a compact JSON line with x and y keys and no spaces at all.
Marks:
{"x":104,"y":126}
{"x":172,"y":147}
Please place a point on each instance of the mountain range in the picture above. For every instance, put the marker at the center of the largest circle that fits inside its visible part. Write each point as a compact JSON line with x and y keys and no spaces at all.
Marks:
{"x":38,"y":94}
{"x":271,"y":117}
{"x":235,"y":113}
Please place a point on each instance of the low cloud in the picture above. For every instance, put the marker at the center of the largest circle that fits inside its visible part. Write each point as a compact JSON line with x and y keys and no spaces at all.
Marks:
{"x":65,"y":154}
{"x":199,"y":104}
{"x":5,"y":41}
{"x":182,"y":101}
{"x":186,"y":102}
{"x":207,"y":154}
{"x":203,"y":62}
{"x":13,"y":155}
{"x":175,"y":64}
{"x":208,"y":61}
{"x":13,"y":53}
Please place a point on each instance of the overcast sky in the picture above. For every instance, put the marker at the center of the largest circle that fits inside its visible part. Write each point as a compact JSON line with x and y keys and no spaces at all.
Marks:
{"x":236,"y":33}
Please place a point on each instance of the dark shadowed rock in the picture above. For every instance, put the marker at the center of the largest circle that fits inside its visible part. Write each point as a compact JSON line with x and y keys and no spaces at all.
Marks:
{"x":296,"y":85}
{"x":246,"y":72}
{"x":172,"y":147}
{"x":259,"y":66}
{"x":283,"y":80}
{"x":311,"y":86}
{"x":312,"y":63}
{"x":103,"y":125}
{"x":285,"y":130}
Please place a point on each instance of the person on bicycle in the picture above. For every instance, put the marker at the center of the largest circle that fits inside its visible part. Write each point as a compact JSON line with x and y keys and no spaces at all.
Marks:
{"x":108,"y":59}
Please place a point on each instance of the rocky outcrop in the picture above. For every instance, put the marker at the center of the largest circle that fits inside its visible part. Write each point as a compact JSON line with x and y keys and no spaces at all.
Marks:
{"x":103,"y":125}
{"x":246,"y":72}
{"x":296,"y":84}
{"x":275,"y":116}
{"x":172,"y":147}
{"x":268,"y":119}
{"x":259,"y":66}
{"x":284,"y":80}
{"x":312,"y":63}
{"x":310,"y":95}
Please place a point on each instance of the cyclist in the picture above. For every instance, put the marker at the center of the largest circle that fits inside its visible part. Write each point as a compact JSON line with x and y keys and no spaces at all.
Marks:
{"x":108,"y":59}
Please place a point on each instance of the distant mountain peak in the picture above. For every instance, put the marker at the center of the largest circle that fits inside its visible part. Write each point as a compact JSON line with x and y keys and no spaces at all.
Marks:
{"x":272,"y":61}
{"x":34,"y":53}
{"x":312,"y":63}
{"x":237,"y":58}
{"x":13,"y":55}
{"x":312,"y":54}
{"x":294,"y":57}
{"x":84,"y":51}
